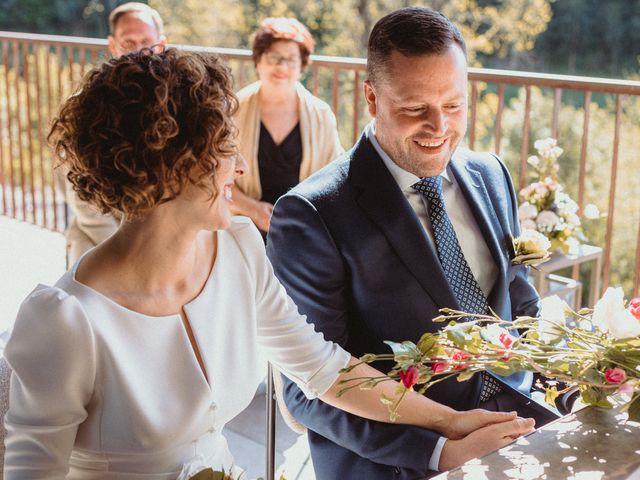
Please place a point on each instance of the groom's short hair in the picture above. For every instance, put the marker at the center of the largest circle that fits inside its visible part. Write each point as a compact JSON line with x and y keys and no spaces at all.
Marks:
{"x":411,"y":31}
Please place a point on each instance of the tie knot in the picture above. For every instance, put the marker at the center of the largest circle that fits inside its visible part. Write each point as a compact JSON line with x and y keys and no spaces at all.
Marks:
{"x":429,"y":186}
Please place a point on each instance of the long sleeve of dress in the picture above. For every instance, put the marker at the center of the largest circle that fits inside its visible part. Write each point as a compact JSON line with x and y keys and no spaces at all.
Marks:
{"x":284,"y":336}
{"x":51,"y":352}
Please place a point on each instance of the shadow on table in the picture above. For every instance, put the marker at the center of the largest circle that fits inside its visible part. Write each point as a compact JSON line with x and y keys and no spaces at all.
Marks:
{"x":593,"y":444}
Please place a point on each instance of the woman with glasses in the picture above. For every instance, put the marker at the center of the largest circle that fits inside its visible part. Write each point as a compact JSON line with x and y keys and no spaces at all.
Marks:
{"x":285,"y":133}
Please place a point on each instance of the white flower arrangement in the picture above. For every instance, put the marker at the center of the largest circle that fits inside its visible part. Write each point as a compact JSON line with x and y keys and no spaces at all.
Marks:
{"x":546,"y":207}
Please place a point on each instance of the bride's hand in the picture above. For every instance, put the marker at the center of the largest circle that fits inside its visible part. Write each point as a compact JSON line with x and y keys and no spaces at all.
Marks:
{"x":463,"y":423}
{"x":483,"y":441}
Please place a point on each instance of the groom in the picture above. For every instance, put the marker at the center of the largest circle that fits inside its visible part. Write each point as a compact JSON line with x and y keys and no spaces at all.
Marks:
{"x":403,"y":224}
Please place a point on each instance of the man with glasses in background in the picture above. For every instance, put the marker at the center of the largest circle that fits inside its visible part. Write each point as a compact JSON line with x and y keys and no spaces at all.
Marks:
{"x":133,"y":26}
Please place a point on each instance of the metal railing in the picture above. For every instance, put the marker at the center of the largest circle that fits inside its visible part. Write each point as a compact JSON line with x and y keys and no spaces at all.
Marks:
{"x":506,"y":110}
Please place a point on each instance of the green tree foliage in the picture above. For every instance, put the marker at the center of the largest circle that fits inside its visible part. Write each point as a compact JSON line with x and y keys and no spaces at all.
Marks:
{"x":61,"y":17}
{"x":591,"y":37}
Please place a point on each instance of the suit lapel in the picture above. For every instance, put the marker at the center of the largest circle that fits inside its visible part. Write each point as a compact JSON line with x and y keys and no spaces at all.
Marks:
{"x":477,"y":196}
{"x":384,"y":203}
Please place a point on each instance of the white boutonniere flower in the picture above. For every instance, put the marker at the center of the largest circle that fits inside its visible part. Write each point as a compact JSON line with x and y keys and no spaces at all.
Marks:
{"x":531,"y":248}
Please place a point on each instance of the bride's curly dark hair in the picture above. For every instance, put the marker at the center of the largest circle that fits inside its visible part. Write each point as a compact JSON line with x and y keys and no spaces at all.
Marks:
{"x":142,"y":126}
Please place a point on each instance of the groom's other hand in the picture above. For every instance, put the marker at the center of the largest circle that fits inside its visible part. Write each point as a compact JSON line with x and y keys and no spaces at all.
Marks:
{"x":483,"y":441}
{"x":469,"y":421}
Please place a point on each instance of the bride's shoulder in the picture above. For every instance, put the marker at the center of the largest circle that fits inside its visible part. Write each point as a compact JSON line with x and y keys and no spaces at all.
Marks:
{"x":47,"y":305}
{"x":245,"y":233}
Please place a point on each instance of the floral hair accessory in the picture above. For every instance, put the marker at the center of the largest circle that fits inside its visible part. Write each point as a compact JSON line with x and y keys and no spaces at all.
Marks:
{"x":285,"y":28}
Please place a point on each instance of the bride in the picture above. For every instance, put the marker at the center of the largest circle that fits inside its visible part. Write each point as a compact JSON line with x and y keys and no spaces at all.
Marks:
{"x":132,"y":363}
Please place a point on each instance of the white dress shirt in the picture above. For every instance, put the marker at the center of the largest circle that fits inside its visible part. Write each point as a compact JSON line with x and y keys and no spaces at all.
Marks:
{"x":470,"y":238}
{"x":99,"y":391}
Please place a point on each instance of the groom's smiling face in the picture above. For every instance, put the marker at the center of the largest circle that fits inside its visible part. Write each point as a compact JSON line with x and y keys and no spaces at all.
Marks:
{"x":420,"y":109}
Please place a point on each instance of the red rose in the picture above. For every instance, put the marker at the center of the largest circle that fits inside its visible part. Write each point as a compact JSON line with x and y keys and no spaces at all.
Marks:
{"x":615,"y":375}
{"x":505,"y":339}
{"x":460,"y":356}
{"x":634,"y":307}
{"x":438,"y":367}
{"x":410,"y":377}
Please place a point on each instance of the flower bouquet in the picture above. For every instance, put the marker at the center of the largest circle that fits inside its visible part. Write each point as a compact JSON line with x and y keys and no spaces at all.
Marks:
{"x":597,"y":350}
{"x":545,"y":207}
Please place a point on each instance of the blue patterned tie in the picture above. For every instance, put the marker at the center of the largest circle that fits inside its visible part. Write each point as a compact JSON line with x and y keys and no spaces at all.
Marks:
{"x":455,"y":266}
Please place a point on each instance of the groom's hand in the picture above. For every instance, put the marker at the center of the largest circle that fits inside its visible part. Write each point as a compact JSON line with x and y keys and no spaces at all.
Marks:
{"x":463,"y":423}
{"x":482,"y":442}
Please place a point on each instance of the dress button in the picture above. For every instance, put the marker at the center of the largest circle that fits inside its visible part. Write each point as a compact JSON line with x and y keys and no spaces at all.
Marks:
{"x":213,"y":406}
{"x":211,"y":430}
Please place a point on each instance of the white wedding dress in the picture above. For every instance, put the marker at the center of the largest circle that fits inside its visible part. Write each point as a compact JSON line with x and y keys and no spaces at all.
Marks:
{"x":102,"y":392}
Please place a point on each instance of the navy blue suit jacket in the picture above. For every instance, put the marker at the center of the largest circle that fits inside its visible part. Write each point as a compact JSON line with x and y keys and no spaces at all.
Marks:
{"x":354,"y":257}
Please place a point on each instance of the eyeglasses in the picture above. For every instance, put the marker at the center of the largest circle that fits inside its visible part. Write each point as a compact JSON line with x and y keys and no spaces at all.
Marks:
{"x":290,"y":62}
{"x":129,"y":46}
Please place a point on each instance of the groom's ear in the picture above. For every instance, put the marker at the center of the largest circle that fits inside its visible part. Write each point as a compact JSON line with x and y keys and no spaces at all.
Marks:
{"x":370,"y":97}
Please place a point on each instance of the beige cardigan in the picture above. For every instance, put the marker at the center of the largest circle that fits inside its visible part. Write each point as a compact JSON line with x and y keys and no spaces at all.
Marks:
{"x":320,"y":141}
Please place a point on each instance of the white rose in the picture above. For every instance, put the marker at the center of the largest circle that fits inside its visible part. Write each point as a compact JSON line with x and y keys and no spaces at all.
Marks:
{"x":574,"y":245}
{"x":544,"y":145}
{"x":534,"y":161}
{"x":497,"y":335}
{"x":591,"y":212}
{"x":609,"y":315}
{"x":572,"y":219}
{"x":555,"y":152}
{"x":552,"y":315}
{"x":197,"y":464}
{"x":526,"y":211}
{"x":532,"y":241}
{"x":528,"y":224}
{"x":565,"y":203}
{"x":547,"y":220}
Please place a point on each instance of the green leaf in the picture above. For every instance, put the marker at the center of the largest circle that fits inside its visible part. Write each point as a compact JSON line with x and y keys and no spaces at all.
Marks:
{"x":206,"y":474}
{"x":427,"y":342}
{"x":465,"y":375}
{"x":594,"y":396}
{"x":459,"y":336}
{"x":405,"y":351}
{"x":550,"y":395}
{"x":592,"y":375}
{"x":634,"y":410}
{"x":502,"y":369}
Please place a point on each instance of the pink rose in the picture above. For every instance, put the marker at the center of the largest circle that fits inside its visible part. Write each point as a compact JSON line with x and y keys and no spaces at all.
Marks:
{"x":459,"y":356}
{"x":626,"y":388}
{"x":439,"y":367}
{"x":634,"y":307}
{"x":615,"y":376}
{"x":410,"y":377}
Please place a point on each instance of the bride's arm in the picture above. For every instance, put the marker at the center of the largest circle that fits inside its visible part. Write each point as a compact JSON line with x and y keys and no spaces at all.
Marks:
{"x":415,"y":409}
{"x":51,"y":353}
